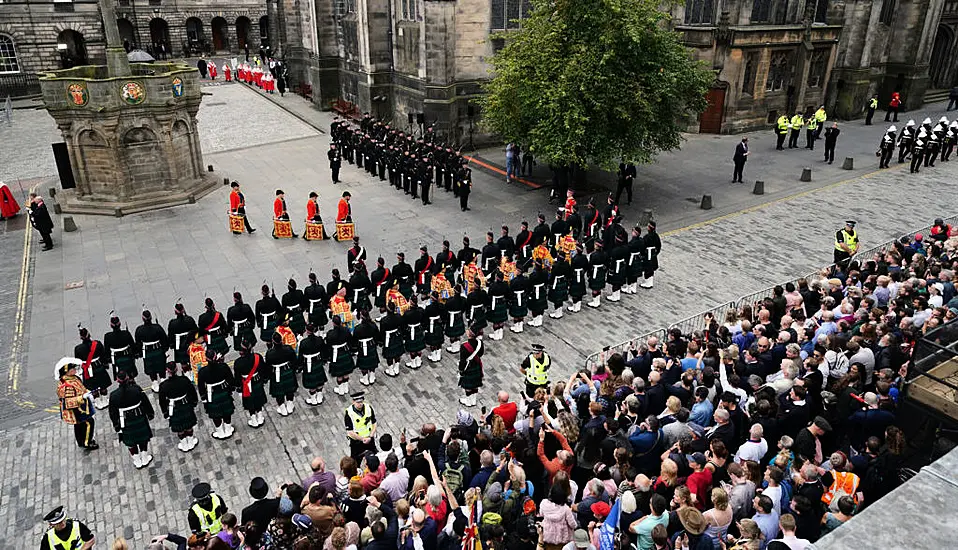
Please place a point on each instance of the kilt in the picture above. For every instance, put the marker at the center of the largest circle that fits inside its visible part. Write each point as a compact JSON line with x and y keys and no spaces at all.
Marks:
{"x":540,"y":304}
{"x":316,"y":377}
{"x":434,"y":335}
{"x":367,"y":362}
{"x":286,"y":385}
{"x":362,"y":304}
{"x":245,"y":335}
{"x":415,"y":339}
{"x":183,"y":417}
{"x":558,"y":291}
{"x":343,"y":366}
{"x":597,"y":277}
{"x":617,"y":278}
{"x":380,"y":300}
{"x":154,"y":362}
{"x":478,"y":316}
{"x":221,"y":405}
{"x":498,"y":313}
{"x":257,"y":397}
{"x":392,"y":345}
{"x":219,"y":345}
{"x":125,"y":363}
{"x":266,"y":333}
{"x":577,"y":288}
{"x":455,"y":327}
{"x":405,"y":289}
{"x":471,"y":378}
{"x":635,"y":269}
{"x":297,"y":323}
{"x":136,"y":431}
{"x":181,"y":356}
{"x":99,"y":378}
{"x":519,"y":310}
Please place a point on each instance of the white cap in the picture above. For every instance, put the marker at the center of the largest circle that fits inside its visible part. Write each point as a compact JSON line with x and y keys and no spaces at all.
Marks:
{"x":954,"y":124}
{"x":910,"y":123}
{"x":943,"y":119}
{"x":926,"y":121}
{"x":921,"y":134}
{"x":892,"y":128}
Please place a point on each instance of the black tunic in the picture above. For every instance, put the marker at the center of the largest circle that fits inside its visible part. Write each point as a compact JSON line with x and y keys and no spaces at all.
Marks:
{"x":424,"y":270}
{"x":216,"y":383}
{"x":337,"y":345}
{"x":282,"y":370}
{"x":434,"y":321}
{"x":476,"y":304}
{"x":455,"y":324}
{"x":317,"y":304}
{"x":213,"y":324}
{"x":618,"y":266}
{"x":580,"y":269}
{"x":365,"y":339}
{"x":559,"y":282}
{"x":152,"y":342}
{"x":178,"y":401}
{"x":181,"y":331}
{"x":498,"y":302}
{"x":470,"y":364}
{"x":597,"y":269}
{"x":268,"y":310}
{"x":360,"y":285}
{"x":381,"y":280}
{"x":131,"y":412}
{"x":391,"y":331}
{"x":254,"y":385}
{"x":295,"y":304}
{"x":121,"y":347}
{"x":537,"y":291}
{"x":519,"y":297}
{"x":414,"y":332}
{"x":653,"y":245}
{"x":312,"y":361}
{"x":507,"y":246}
{"x":241,"y":322}
{"x":402,"y":272}
{"x":96,"y":375}
{"x":490,"y":257}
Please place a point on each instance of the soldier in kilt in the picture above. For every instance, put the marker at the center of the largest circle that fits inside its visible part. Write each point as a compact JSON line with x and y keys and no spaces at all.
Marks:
{"x":312,"y":362}
{"x":365,"y":339}
{"x":180,"y":331}
{"x":434,"y":315}
{"x":216,"y":384}
{"x":317,"y":302}
{"x":178,"y":404}
{"x":381,"y":279}
{"x":636,"y":248}
{"x":498,"y":305}
{"x":281,"y":360}
{"x":470,"y":367}
{"x":359,"y":287}
{"x":455,"y":322}
{"x":294,"y":302}
{"x":538,"y":300}
{"x":242,"y":322}
{"x":403,"y":274}
{"x":131,"y":412}
{"x":251,"y":373}
{"x":577,"y":282}
{"x":121,"y":347}
{"x":340,"y":359}
{"x":391,"y":331}
{"x":559,"y":284}
{"x":213,"y":325}
{"x":95,"y":368}
{"x":519,"y":300}
{"x":414,"y":333}
{"x":598,"y":262}
{"x":152,"y":342}
{"x":476,"y":302}
{"x":618,"y":266}
{"x":268,"y":309}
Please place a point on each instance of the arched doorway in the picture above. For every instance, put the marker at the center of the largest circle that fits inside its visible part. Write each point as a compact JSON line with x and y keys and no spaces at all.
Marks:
{"x":221,"y":40}
{"x":127,"y":34}
{"x":160,"y":37}
{"x":710,"y":121}
{"x":72,"y":48}
{"x":264,"y":31}
{"x":194,"y":35}
{"x":243,"y":25}
{"x":940,"y":70}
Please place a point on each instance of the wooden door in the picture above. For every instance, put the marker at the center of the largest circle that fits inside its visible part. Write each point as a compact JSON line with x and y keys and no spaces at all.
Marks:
{"x":711,"y":120}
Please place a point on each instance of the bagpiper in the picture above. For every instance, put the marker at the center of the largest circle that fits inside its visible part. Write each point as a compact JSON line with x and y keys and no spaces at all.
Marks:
{"x":178,"y":401}
{"x":95,"y":368}
{"x":470,"y":367}
{"x":131,"y":413}
{"x":151,"y":340}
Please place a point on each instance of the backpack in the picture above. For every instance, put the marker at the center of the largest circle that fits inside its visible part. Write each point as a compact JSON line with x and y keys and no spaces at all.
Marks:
{"x":454,"y":479}
{"x":786,"y":501}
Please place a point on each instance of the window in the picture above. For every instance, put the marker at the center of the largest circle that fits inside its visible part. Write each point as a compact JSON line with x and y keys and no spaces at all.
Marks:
{"x":816,"y":68}
{"x":350,"y":6}
{"x":8,"y":55}
{"x":507,"y":13}
{"x":887,"y":12}
{"x":777,"y":72}
{"x":698,"y":12}
{"x":748,"y":78}
{"x":821,"y":11}
{"x":410,"y":9}
{"x":761,"y":11}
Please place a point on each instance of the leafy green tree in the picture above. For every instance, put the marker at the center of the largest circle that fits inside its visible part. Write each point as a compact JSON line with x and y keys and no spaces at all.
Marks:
{"x":594,"y":81}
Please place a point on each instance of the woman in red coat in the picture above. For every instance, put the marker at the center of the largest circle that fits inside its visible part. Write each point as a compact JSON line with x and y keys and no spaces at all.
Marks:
{"x":8,"y":205}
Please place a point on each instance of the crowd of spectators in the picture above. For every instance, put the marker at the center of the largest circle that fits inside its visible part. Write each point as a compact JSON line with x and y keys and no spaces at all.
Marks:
{"x":769,"y":429}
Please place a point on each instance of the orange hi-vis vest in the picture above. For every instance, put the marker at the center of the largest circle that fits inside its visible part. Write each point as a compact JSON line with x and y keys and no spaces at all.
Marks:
{"x":843,"y":483}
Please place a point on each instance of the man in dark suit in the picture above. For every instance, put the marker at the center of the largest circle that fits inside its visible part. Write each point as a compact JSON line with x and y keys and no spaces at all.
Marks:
{"x":741,"y":155}
{"x":831,"y":137}
{"x":263,"y":509}
{"x":40,"y":218}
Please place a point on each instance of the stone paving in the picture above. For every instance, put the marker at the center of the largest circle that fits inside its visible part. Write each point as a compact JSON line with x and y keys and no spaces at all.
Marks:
{"x":187,"y":253}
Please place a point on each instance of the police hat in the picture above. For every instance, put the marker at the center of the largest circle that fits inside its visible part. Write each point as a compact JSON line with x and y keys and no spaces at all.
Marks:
{"x":538,"y":347}
{"x":201,"y":490}
{"x":55,"y":516}
{"x":850,"y":223}
{"x":258,"y":488}
{"x":358,"y":396}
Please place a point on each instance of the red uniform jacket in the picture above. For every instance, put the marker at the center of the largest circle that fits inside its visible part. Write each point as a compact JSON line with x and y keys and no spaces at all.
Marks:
{"x":312,"y":210}
{"x":344,"y":210}
{"x":279,"y":207}
{"x":236,"y":201}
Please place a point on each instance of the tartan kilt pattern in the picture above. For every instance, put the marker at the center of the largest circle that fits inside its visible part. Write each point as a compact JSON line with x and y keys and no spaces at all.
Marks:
{"x":479,"y":319}
{"x":435,"y":337}
{"x":266,"y":333}
{"x":635,"y":270}
{"x":395,"y":348}
{"x":457,"y":328}
{"x":363,"y":303}
{"x":125,"y":363}
{"x":500,"y":313}
{"x":343,"y":366}
{"x":315,"y":378}
{"x":181,"y":356}
{"x":517,"y":311}
{"x":245,"y":335}
{"x":154,"y":361}
{"x":219,"y":345}
{"x":368,"y":362}
{"x":257,"y":397}
{"x":287,"y":382}
{"x":597,"y":282}
{"x":539,"y":304}
{"x":297,"y":323}
{"x":471,"y":378}
{"x":560,"y":293}
{"x":577,"y":289}
{"x":221,"y":405}
{"x":137,"y":431}
{"x":617,"y":278}
{"x":183,"y":417}
{"x":99,"y":378}
{"x":380,"y":300}
{"x":418,"y":343}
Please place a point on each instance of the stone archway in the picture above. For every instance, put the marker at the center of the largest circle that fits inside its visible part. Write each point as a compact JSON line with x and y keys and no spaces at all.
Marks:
{"x":72,"y":48}
{"x":941,"y":71}
{"x":194,"y":32}
{"x":243,"y":25}
{"x":264,"y":31}
{"x":127,"y":34}
{"x":143,"y":156}
{"x":160,"y":35}
{"x":220,"y":29}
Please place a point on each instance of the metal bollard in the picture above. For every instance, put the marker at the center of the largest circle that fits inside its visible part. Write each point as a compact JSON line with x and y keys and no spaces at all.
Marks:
{"x":759,"y":188}
{"x":69,"y":225}
{"x":806,"y":174}
{"x":849,"y":164}
{"x":706,"y":202}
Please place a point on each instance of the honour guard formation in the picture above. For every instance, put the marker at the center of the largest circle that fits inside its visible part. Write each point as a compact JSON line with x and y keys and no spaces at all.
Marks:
{"x":324,"y":333}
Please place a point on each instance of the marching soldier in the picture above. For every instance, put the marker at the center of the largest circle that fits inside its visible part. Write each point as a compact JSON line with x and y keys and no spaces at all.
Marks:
{"x":906,"y":140}
{"x":470,"y":367}
{"x":360,"y":422}
{"x":335,"y":161}
{"x":650,"y":263}
{"x":558,"y":289}
{"x":120,"y":345}
{"x":66,"y":533}
{"x":241,"y":319}
{"x":498,"y":305}
{"x":355,"y":254}
{"x":796,"y":124}
{"x":206,"y":511}
{"x":577,"y":283}
{"x":340,"y":360}
{"x":279,"y":210}
{"x":424,"y":270}
{"x":598,"y":261}
{"x":491,"y":254}
{"x":618,"y":267}
{"x":95,"y":368}
{"x":181,"y":330}
{"x":535,"y":367}
{"x":178,"y":404}
{"x":360,"y":285}
{"x":846,"y":243}
{"x":316,"y":303}
{"x":213,"y":325}
{"x":951,"y":137}
{"x":464,"y":186}
{"x":403,"y":274}
{"x":887,"y":147}
{"x":251,"y":372}
{"x":518,"y":300}
{"x":76,"y":404}
{"x":268,"y":311}
{"x":294,"y":303}
{"x":455,"y":321}
{"x":636,"y":249}
{"x":366,"y":336}
{"x":932,"y":146}
{"x":151,"y":340}
{"x":918,"y":152}
{"x":281,"y":360}
{"x":434,"y":316}
{"x":216,"y":385}
{"x":414,"y":335}
{"x":131,"y":413}
{"x":312,"y":361}
{"x":312,"y":213}
{"x":238,"y":205}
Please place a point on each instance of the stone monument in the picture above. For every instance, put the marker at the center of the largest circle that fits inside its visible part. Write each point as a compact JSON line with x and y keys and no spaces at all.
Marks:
{"x":130,"y":131}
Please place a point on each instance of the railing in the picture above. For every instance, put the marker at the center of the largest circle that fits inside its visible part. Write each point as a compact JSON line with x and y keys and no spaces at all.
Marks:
{"x":697,"y":321}
{"x":19,"y":85}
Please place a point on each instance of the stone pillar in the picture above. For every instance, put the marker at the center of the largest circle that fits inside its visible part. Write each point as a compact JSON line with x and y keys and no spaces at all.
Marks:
{"x":439,"y":43}
{"x":116,"y":61}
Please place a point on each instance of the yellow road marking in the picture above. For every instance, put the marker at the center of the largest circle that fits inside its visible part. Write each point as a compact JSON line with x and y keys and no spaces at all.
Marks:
{"x":13,"y":376}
